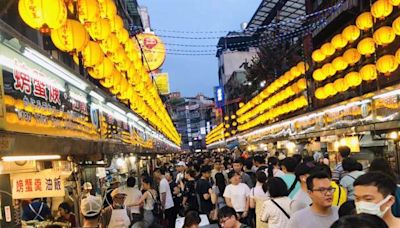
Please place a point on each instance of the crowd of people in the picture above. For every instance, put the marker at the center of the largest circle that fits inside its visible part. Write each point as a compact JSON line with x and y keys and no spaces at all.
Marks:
{"x":235,"y":190}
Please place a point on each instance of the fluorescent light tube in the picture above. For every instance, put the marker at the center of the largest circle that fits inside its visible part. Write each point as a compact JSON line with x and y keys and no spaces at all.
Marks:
{"x":97,"y":96}
{"x":116,"y":108}
{"x":388,"y":94}
{"x":30,"y":158}
{"x":55,"y":68}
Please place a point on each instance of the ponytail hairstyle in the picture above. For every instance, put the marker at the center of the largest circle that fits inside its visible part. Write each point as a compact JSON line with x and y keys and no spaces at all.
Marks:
{"x":272,"y":161}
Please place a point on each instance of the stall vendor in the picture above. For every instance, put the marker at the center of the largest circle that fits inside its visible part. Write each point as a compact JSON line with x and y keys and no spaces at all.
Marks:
{"x":117,"y":215}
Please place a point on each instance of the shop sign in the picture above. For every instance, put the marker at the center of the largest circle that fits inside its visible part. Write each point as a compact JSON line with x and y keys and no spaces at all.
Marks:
{"x":162,"y":83}
{"x":37,"y":101}
{"x":219,"y":96}
{"x":153,"y":49}
{"x":47,"y":183}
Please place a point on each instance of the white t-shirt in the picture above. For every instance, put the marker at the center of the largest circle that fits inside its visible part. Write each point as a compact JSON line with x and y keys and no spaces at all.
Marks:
{"x":164,"y":187}
{"x":258,"y":193}
{"x":307,"y":218}
{"x":238,"y":195}
{"x":273,"y":215}
{"x":132,"y":196}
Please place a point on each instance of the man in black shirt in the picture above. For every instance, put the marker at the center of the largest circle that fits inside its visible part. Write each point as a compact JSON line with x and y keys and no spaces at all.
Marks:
{"x":259,"y":162}
{"x":204,"y":190}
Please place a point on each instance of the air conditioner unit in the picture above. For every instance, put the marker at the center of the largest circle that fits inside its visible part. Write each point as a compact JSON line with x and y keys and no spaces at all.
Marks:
{"x":20,"y":167}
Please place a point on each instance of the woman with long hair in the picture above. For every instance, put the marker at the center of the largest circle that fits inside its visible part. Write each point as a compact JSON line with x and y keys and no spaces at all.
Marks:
{"x":147,"y":200}
{"x":258,"y":197}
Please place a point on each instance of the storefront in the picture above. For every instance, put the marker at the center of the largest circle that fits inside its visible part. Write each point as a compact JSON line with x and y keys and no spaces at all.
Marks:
{"x":58,"y":130}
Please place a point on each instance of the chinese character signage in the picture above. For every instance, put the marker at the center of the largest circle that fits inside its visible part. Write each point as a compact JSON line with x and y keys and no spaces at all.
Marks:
{"x":162,"y":83}
{"x":47,"y":183}
{"x":219,"y":96}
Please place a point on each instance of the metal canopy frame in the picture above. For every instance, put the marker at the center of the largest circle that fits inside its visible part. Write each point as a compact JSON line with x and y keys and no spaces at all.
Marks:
{"x":275,"y":11}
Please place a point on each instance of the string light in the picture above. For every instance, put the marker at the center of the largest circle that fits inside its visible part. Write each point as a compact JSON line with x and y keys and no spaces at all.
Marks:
{"x":271,"y":25}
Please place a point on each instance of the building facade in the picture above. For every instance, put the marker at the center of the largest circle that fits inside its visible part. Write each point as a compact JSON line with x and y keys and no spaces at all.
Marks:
{"x":193,"y":117}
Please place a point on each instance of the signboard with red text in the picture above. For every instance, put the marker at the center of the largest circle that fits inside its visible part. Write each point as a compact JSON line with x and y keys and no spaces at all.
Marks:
{"x":47,"y":183}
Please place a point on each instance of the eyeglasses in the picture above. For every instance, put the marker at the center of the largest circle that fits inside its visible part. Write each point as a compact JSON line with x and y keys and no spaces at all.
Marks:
{"x":325,"y":190}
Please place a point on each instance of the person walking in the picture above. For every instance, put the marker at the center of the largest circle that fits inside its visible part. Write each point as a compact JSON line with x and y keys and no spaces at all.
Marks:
{"x":204,"y":191}
{"x":189,"y":201}
{"x":321,"y":213}
{"x":167,"y":202}
{"x":276,"y":210}
{"x":228,"y":218}
{"x":351,"y":167}
{"x":147,"y":200}
{"x":293,"y":184}
{"x":338,"y":172}
{"x":133,"y":194}
{"x":302,"y":199}
{"x":237,"y":196}
{"x":238,"y":168}
{"x":258,"y":195}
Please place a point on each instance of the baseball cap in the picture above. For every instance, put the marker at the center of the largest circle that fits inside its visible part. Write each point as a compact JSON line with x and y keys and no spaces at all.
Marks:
{"x":117,"y":191}
{"x":87,"y":186}
{"x":181,"y":163}
{"x":90,"y":206}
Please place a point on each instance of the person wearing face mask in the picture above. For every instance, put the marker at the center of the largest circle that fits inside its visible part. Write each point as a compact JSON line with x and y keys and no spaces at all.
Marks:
{"x":117,"y":215}
{"x":375,"y":194}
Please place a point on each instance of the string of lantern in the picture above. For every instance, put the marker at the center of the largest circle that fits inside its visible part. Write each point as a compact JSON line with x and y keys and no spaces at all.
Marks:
{"x":97,"y":36}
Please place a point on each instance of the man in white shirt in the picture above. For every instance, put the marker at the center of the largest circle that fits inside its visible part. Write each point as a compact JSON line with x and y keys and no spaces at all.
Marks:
{"x":237,"y":196}
{"x":167,"y":202}
{"x":321,"y":213}
{"x":180,"y":168}
{"x":133,"y":195}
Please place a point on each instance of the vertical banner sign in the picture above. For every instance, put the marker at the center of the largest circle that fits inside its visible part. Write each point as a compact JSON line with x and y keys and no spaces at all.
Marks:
{"x":47,"y":183}
{"x":162,"y":82}
{"x":219,"y":96}
{"x":153,"y":49}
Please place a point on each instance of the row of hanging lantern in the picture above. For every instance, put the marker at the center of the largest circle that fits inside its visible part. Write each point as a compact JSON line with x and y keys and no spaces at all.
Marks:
{"x":381,"y":37}
{"x":111,"y":56}
{"x":283,"y":109}
{"x":290,"y":91}
{"x":290,"y":75}
{"x":215,"y":134}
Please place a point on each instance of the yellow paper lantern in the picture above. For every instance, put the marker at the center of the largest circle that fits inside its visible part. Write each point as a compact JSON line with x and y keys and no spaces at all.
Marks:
{"x":340,"y":85}
{"x":381,"y":9}
{"x":351,"y":56}
{"x":396,"y":26}
{"x":368,"y":72}
{"x":395,"y":2}
{"x":351,"y":33}
{"x":320,"y":94}
{"x":330,"y":90}
{"x":302,"y":67}
{"x":365,"y":21}
{"x":116,"y":23}
{"x":92,"y":54}
{"x":99,"y":30}
{"x":319,"y":75}
{"x":384,"y":35}
{"x":70,"y":37}
{"x":397,"y":55}
{"x":301,"y":84}
{"x":102,"y":70}
{"x":43,"y":15}
{"x":118,"y":56}
{"x":328,"y":70}
{"x":122,"y":35}
{"x":366,"y":46}
{"x":88,"y":11}
{"x":110,"y":45}
{"x":353,"y":79}
{"x":386,"y":64}
{"x":328,"y":49}
{"x":107,"y":9}
{"x":295,"y":72}
{"x":241,"y":104}
{"x":339,"y":42}
{"x":318,"y":56}
{"x":339,"y":63}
